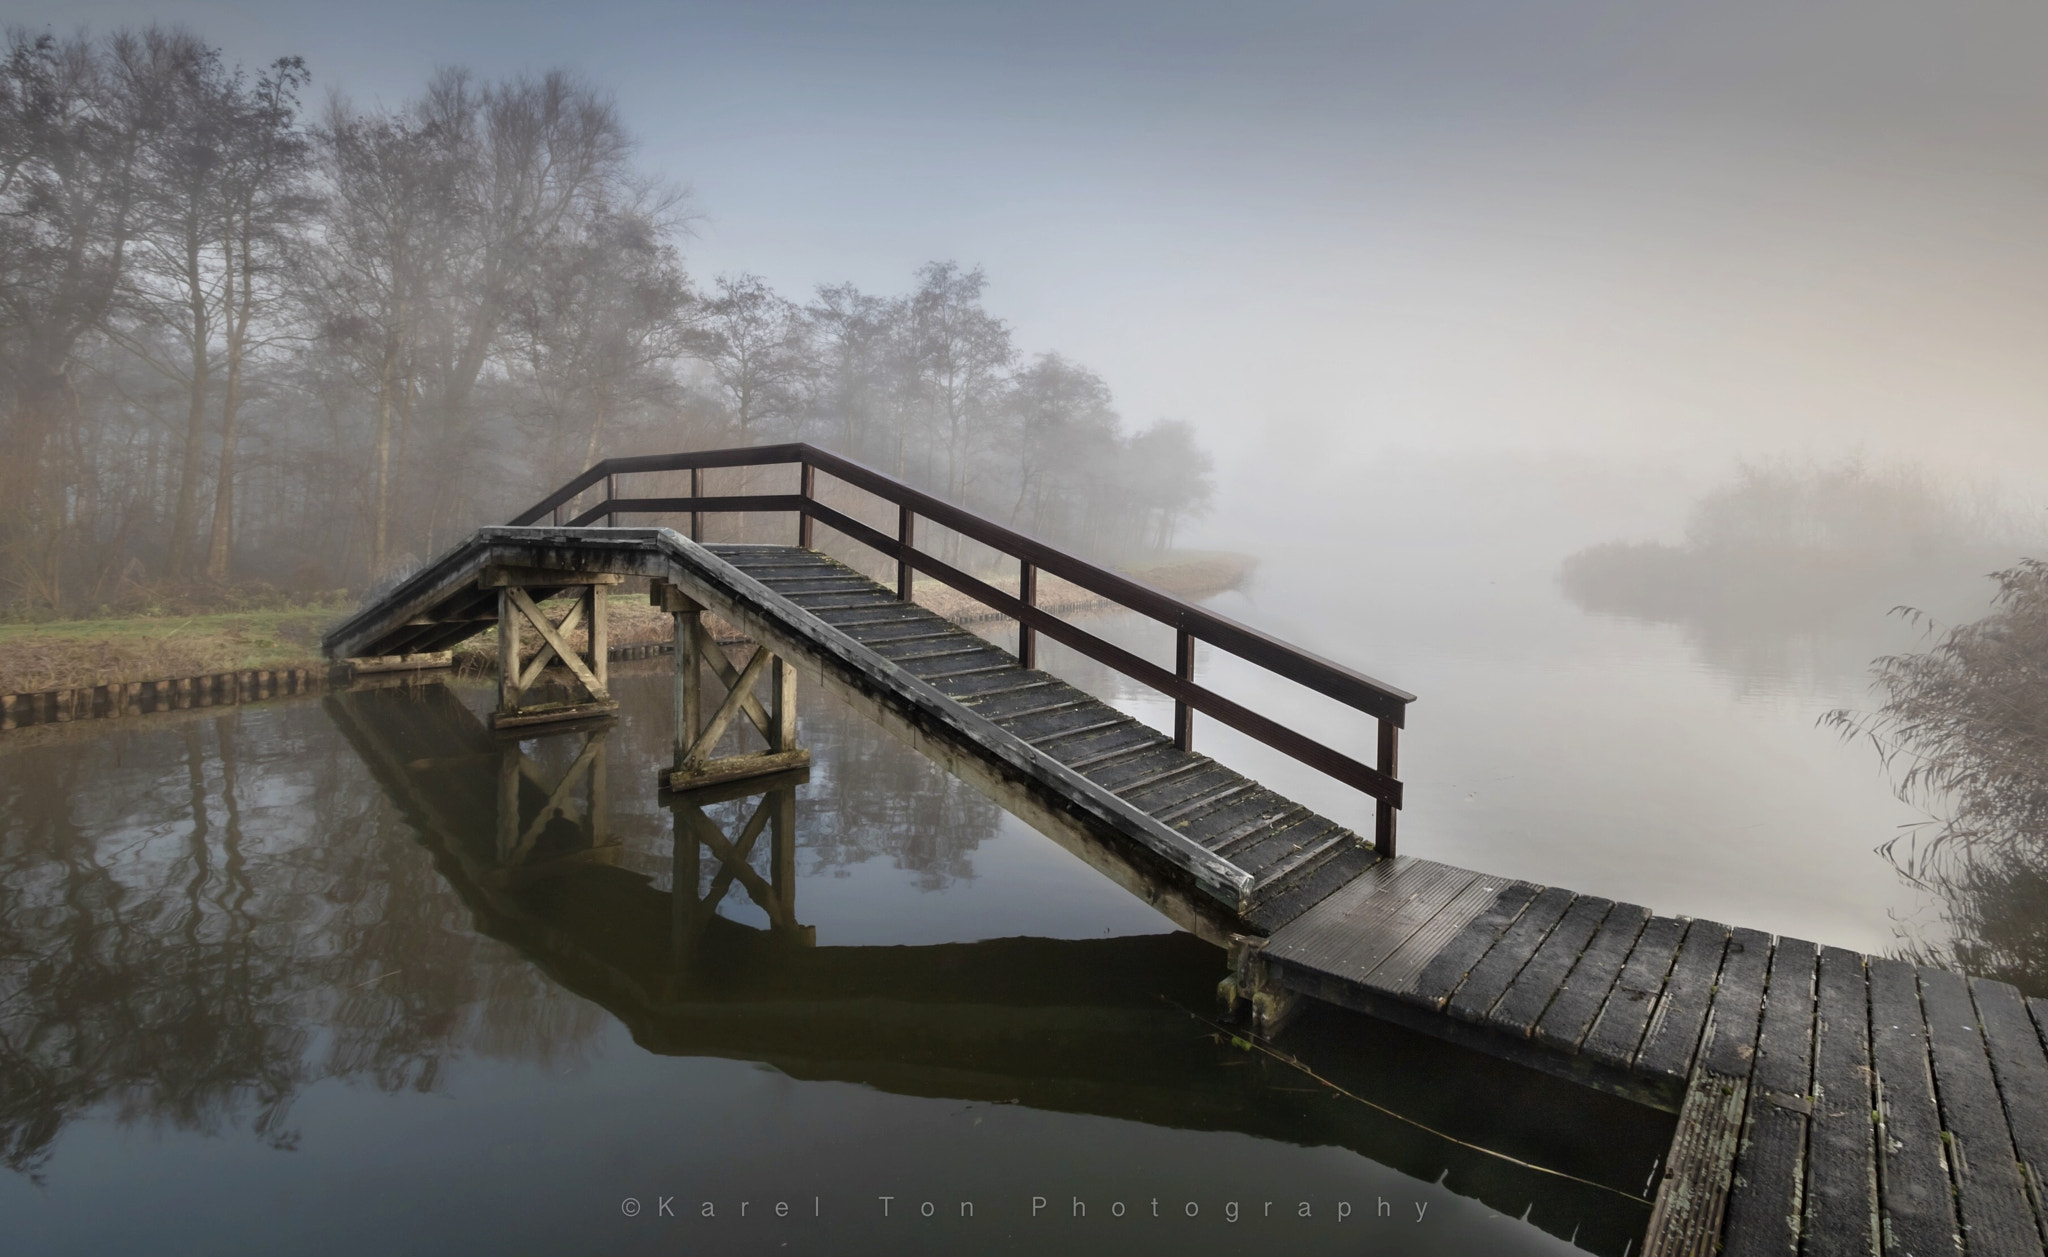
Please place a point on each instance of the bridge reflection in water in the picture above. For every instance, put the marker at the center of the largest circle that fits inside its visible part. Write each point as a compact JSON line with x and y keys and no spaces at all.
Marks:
{"x":521,"y":828}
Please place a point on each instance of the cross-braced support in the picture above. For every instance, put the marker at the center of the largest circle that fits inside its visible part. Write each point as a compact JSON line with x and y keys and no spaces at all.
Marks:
{"x":696,"y":735}
{"x":518,"y":612}
{"x":542,"y":825}
{"x":696,"y":833}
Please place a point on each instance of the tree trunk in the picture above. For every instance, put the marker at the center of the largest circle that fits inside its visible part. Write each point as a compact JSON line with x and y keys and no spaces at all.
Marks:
{"x":221,"y":545}
{"x":380,"y":524}
{"x":184,"y":520}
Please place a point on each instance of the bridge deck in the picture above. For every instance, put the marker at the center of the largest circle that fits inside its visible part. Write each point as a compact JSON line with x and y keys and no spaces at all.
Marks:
{"x":1292,"y":855}
{"x":1827,"y":1101}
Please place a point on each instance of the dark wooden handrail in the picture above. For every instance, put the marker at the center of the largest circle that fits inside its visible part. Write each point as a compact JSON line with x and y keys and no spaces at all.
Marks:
{"x":1191,"y":623}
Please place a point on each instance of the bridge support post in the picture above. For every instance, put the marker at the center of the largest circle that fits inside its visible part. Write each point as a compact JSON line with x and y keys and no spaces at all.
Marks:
{"x":1249,"y":990}
{"x":697,"y":735}
{"x":519,"y":610}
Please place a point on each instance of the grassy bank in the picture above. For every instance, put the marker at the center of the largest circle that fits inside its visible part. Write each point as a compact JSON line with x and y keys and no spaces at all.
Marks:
{"x":55,"y":655}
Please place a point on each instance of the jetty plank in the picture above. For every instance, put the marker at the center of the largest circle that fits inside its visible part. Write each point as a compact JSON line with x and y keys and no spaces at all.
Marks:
{"x":1447,"y":970}
{"x":1403,"y":967}
{"x":1618,"y":1029}
{"x":1356,"y":928}
{"x":1565,"y":1023}
{"x":1543,"y":977}
{"x":1496,"y":971}
{"x":1996,"y":1215}
{"x":1913,"y":1174}
{"x":1691,"y":1200}
{"x":1841,"y":1145}
{"x":1770,"y":1167}
{"x":1729,"y":1044}
{"x":2021,"y":1069}
{"x":1673,"y":1034}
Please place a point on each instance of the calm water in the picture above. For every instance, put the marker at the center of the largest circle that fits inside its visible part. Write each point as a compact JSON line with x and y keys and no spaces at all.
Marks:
{"x":348,"y":975}
{"x":1676,"y":765}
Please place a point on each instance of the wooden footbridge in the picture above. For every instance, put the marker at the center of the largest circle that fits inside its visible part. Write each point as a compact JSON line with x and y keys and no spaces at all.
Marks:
{"x":1828,"y":1101}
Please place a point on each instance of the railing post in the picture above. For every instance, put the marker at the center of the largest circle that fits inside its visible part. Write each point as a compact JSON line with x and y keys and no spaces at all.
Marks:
{"x":807,"y":488}
{"x":696,"y":491}
{"x":1184,"y":668}
{"x":1390,"y":764}
{"x":906,"y":533}
{"x":611,"y":494}
{"x":1027,"y":593}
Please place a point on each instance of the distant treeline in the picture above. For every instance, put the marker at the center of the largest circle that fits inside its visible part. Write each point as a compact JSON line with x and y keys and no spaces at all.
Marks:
{"x":238,"y":342}
{"x":1791,"y":545}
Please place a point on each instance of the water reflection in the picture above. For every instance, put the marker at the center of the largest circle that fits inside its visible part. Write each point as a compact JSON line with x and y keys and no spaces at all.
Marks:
{"x":207,"y":918}
{"x":1097,"y":1026}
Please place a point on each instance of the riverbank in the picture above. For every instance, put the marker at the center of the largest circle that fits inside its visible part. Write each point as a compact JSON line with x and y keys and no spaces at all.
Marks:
{"x":83,"y":653}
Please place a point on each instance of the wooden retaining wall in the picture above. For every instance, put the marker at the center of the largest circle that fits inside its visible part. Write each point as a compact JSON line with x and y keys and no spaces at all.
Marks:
{"x":219,"y":689}
{"x":138,"y":698}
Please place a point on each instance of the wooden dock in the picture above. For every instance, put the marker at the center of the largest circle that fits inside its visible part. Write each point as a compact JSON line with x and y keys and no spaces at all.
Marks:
{"x":1828,"y":1102}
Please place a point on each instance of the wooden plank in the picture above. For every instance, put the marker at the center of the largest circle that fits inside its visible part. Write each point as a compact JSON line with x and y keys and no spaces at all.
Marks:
{"x":1728,"y":1045}
{"x":1267,"y":856}
{"x":737,"y":767}
{"x":1349,"y":933}
{"x":1764,"y":1200}
{"x":1841,"y":1146}
{"x":1496,"y":971}
{"x":1396,"y":974}
{"x":1020,"y":702}
{"x":1065,"y":722}
{"x":1618,"y":1030}
{"x":1570,"y":1016}
{"x":1295,"y":825}
{"x":949,"y":659}
{"x":1083,"y":753}
{"x":1133,"y":777}
{"x":988,"y":684}
{"x":2021,"y":1069}
{"x":1693,"y":1194}
{"x":1290,"y":890}
{"x":1184,"y":798}
{"x":1673,"y":1035}
{"x":1996,"y":1215}
{"x":1522,"y":1005}
{"x":1913,"y":1175}
{"x":899,"y":632}
{"x":1447,"y":969}
{"x":1150,"y":759}
{"x":1163,"y":793}
{"x":1241,"y":817}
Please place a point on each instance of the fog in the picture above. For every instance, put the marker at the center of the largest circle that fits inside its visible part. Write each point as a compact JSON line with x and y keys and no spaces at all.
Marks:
{"x":1655,"y":229}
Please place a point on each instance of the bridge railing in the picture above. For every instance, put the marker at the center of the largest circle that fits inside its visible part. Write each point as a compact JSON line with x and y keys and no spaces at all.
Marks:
{"x":1191,"y":623}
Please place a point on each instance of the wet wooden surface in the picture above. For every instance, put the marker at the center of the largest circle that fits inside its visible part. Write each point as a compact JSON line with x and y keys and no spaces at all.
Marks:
{"x":1294,"y":856}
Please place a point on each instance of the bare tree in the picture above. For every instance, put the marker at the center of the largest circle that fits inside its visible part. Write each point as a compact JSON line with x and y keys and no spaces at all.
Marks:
{"x":606,"y":313}
{"x":755,"y":345}
{"x":264,"y":200}
{"x":74,"y":122}
{"x":390,"y":190}
{"x":963,"y":353}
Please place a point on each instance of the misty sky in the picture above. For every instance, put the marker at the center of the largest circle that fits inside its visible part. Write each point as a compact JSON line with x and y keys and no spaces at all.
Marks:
{"x":1653,"y":231}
